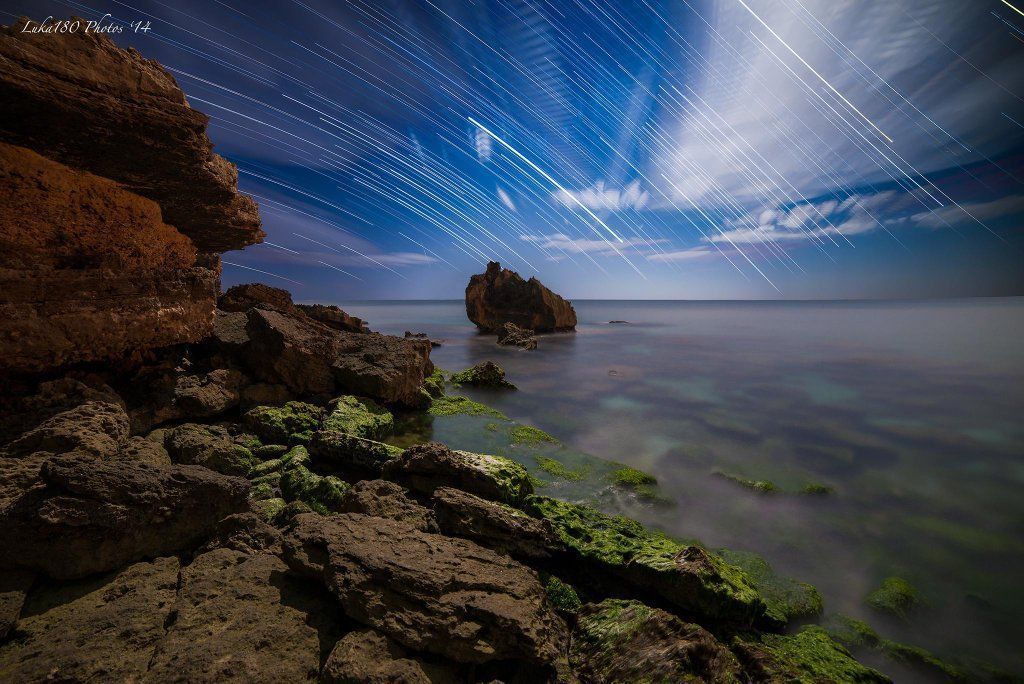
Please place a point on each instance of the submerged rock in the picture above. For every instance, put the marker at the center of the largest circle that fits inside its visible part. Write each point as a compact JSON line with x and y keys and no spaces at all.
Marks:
{"x":511,"y":335}
{"x":426,"y":467}
{"x":486,"y":374}
{"x":426,"y":591}
{"x":620,"y":549}
{"x":627,"y":641}
{"x":500,"y":296}
{"x":807,"y":657}
{"x":896,"y":596}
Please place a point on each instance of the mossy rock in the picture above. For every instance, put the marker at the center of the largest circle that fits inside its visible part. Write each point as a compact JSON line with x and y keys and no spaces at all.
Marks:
{"x":629,"y":477}
{"x":211,"y":446}
{"x":359,"y":417}
{"x":261,"y":491}
{"x":510,"y":479}
{"x":810,"y":656}
{"x":817,"y":489}
{"x":563,"y":596}
{"x":434,"y":383}
{"x":269,"y":509}
{"x":293,"y":423}
{"x":761,"y":486}
{"x":322,"y":493}
{"x":460,"y":405}
{"x":896,"y":596}
{"x":527,"y":434}
{"x":786,"y":598}
{"x":622,"y":549}
{"x":559,"y":470}
{"x":345,"y":451}
{"x":486,"y":374}
{"x":269,"y":451}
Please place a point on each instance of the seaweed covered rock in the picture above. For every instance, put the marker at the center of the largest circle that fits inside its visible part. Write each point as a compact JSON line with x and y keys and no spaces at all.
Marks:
{"x":485,"y":374}
{"x":494,"y":525}
{"x":383,"y":499}
{"x":786,"y":598}
{"x":627,"y":641}
{"x":358,"y":417}
{"x":98,"y":629}
{"x":426,"y":467}
{"x":620,"y":549}
{"x":511,"y":335}
{"x":808,"y":657}
{"x":500,"y":296}
{"x":322,"y":493}
{"x":95,"y":515}
{"x":293,"y":423}
{"x":895,"y":596}
{"x":211,"y":446}
{"x":428,"y":592}
{"x":342,"y":451}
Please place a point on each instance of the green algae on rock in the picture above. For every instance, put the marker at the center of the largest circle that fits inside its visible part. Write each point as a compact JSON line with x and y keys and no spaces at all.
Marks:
{"x":763,"y":486}
{"x":426,"y":467}
{"x":346,"y":451}
{"x":458,"y":404}
{"x":628,"y":641}
{"x":810,"y":656}
{"x":322,"y":493}
{"x":434,"y":383}
{"x":896,"y":596}
{"x":527,"y":434}
{"x":559,"y":470}
{"x":293,"y":423}
{"x":486,"y":374}
{"x":562,"y":595}
{"x":684,"y":575}
{"x":358,"y":416}
{"x":785,"y":597}
{"x":817,"y":489}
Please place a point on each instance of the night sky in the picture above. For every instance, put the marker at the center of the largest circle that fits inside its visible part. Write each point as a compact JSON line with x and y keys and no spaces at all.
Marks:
{"x":729,"y":149}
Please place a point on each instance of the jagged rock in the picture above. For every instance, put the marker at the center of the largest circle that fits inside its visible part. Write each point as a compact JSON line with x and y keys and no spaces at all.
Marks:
{"x":808,"y":656}
{"x":322,"y":493}
{"x":243,"y":617}
{"x":95,"y":427}
{"x":486,"y":374}
{"x":428,"y":592}
{"x":174,"y":394}
{"x":500,"y":296}
{"x":627,"y":641}
{"x":309,"y":358}
{"x":98,"y":629}
{"x":511,"y":335}
{"x":14,"y":586}
{"x":426,"y":467}
{"x":622,"y":550}
{"x":352,"y":454}
{"x":96,"y":515}
{"x":122,"y":117}
{"x":245,"y":297}
{"x":211,"y":446}
{"x":494,"y":525}
{"x":409,"y":335}
{"x":263,"y":394}
{"x":366,"y":656}
{"x":334,"y":317}
{"x":358,"y":417}
{"x":293,"y":423}
{"x":229,"y":330}
{"x":383,"y":499}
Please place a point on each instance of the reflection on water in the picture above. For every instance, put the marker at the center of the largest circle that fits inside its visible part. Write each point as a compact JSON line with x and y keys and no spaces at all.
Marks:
{"x":911,"y":411}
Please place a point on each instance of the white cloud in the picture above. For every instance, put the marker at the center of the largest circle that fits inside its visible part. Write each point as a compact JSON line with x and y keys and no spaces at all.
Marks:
{"x":404,"y":258}
{"x":506,"y":200}
{"x":601,"y":198}
{"x":683,"y":254}
{"x":483,"y":144}
{"x":952,"y":215}
{"x":564,"y":243}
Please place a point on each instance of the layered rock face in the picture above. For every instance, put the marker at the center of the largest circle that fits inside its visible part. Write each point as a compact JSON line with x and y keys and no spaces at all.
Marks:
{"x":499,"y":296}
{"x":113,"y":207}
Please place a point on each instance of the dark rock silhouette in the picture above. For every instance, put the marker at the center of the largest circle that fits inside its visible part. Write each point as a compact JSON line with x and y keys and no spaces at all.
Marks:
{"x":499,"y":296}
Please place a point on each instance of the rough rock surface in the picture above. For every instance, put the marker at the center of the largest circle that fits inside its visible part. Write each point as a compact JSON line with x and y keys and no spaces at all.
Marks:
{"x":627,"y":641}
{"x":241,"y":617}
{"x":95,"y":427}
{"x":511,"y":335}
{"x":333,"y":317}
{"x":494,"y":525}
{"x":500,"y":296}
{"x":122,"y":117}
{"x":383,"y":499}
{"x":98,"y":629}
{"x":426,"y":467}
{"x":211,"y":446}
{"x":95,"y":515}
{"x":240,"y":298}
{"x":14,"y":586}
{"x":428,"y":592}
{"x":366,"y":656}
{"x":486,"y":374}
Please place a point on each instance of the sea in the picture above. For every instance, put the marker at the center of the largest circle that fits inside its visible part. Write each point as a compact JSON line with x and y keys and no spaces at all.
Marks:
{"x":912,"y":412}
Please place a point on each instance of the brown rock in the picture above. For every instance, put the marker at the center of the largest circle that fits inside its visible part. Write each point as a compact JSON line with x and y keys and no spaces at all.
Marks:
{"x":14,"y":586}
{"x":368,"y":657}
{"x":500,"y":296}
{"x":19,"y":474}
{"x":95,"y":427}
{"x":210,"y":446}
{"x":146,"y":450}
{"x":511,"y":335}
{"x":334,"y":317}
{"x":428,"y":592}
{"x":100,"y":629}
{"x":21,"y":414}
{"x":494,"y":525}
{"x":383,"y":499}
{"x":95,"y":515}
{"x":241,"y":617}
{"x":627,"y":641}
{"x":122,"y":117}
{"x":244,"y":297}
{"x":425,"y":467}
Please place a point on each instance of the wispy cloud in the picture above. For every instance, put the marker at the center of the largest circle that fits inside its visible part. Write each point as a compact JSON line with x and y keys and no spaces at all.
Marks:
{"x":506,"y":200}
{"x":572,"y":245}
{"x":602,"y":198}
{"x":953,"y":215}
{"x":691,"y":254}
{"x":405,"y":258}
{"x":483,"y":144}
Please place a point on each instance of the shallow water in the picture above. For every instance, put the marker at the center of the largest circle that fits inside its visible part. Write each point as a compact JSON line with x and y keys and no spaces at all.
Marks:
{"x":910,"y":410}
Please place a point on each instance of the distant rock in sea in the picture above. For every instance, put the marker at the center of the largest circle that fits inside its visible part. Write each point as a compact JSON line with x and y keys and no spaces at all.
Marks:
{"x":499,"y":296}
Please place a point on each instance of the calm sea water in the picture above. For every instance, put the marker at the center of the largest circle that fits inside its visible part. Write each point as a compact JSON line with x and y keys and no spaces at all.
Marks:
{"x":910,"y":410}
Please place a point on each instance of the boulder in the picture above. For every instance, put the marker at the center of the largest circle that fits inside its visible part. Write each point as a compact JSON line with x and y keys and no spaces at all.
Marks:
{"x":210,"y":446}
{"x":619,"y":550}
{"x":149,"y":449}
{"x":95,"y":427}
{"x":500,"y":296}
{"x":383,"y":499}
{"x":333,"y":317}
{"x":355,"y":455}
{"x":359,"y":417}
{"x":18,"y":475}
{"x":96,"y":515}
{"x":19,"y":414}
{"x":98,"y":629}
{"x":487,"y":374}
{"x":122,"y":117}
{"x":165,"y":394}
{"x":511,"y":335}
{"x":428,"y":592}
{"x":366,"y":656}
{"x":494,"y":525}
{"x":244,"y":617}
{"x":293,"y":423}
{"x":627,"y":641}
{"x":426,"y":467}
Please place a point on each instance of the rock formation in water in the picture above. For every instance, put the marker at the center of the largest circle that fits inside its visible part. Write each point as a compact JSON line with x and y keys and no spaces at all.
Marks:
{"x":499,"y":296}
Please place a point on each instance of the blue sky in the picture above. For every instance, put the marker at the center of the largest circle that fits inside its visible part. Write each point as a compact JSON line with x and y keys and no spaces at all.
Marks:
{"x":685,"y":149}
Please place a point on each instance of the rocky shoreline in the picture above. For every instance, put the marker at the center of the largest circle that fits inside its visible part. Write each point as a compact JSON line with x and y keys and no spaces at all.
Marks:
{"x":206,"y":486}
